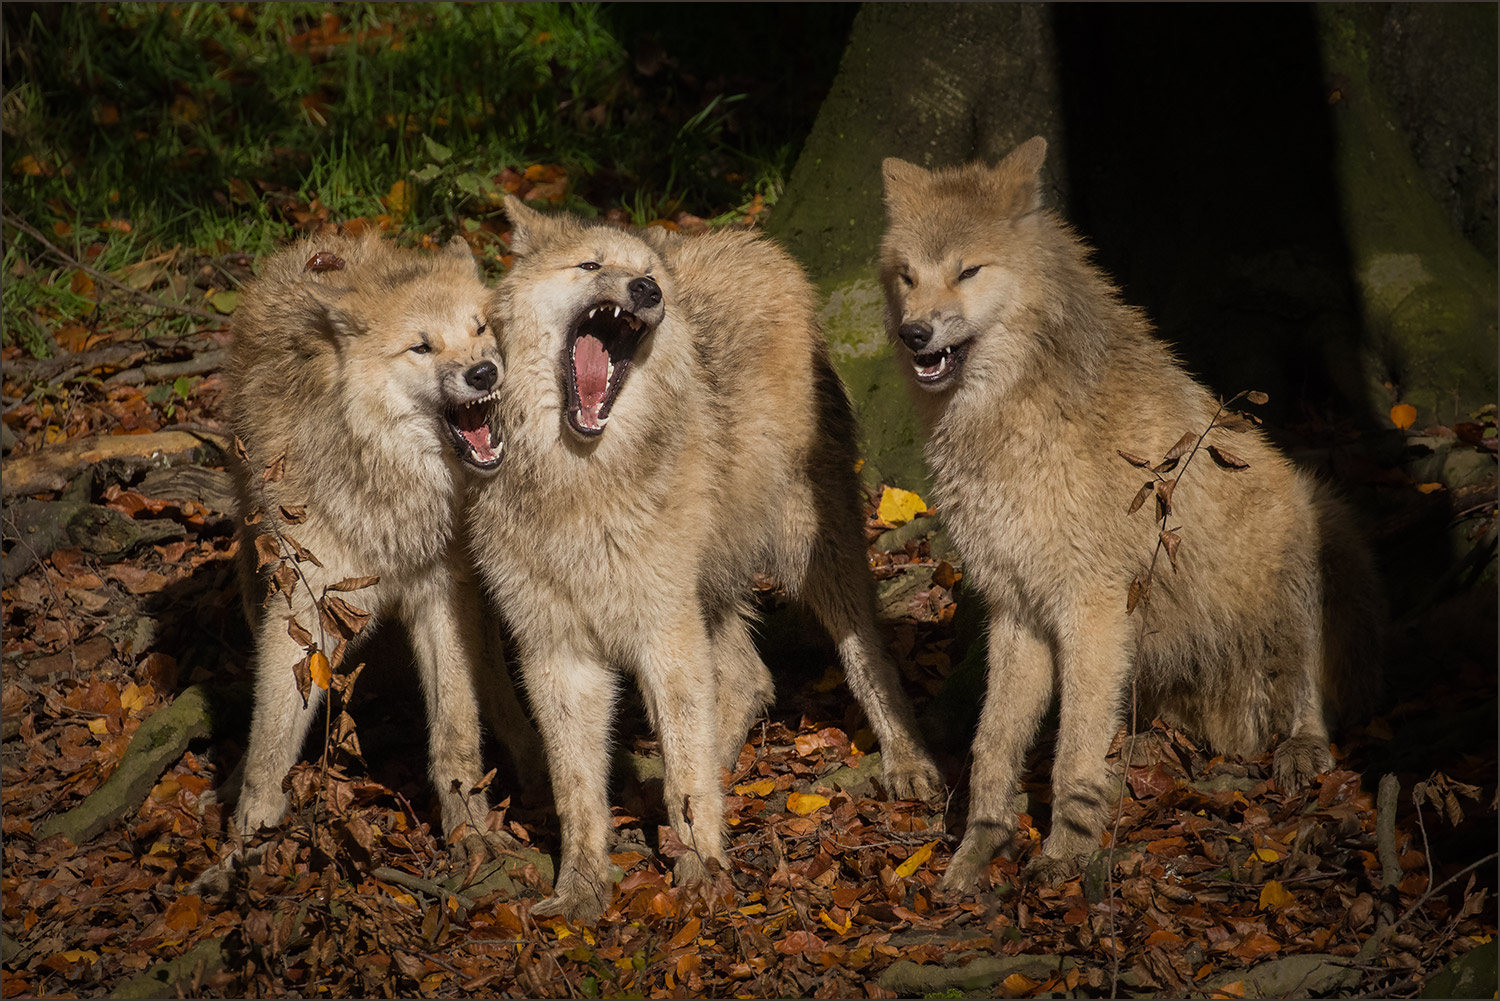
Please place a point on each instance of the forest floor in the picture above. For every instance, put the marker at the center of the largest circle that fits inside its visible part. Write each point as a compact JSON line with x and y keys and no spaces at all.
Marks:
{"x":120,"y":601}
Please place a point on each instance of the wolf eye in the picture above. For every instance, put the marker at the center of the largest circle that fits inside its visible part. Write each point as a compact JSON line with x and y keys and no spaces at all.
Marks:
{"x":590,"y":265}
{"x":482,"y":328}
{"x":908,"y":281}
{"x":421,"y":349}
{"x":969,"y":272}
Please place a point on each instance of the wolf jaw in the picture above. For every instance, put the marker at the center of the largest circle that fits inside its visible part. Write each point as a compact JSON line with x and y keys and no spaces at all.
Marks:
{"x":936,"y":369}
{"x":474,"y":432}
{"x":601,"y":345}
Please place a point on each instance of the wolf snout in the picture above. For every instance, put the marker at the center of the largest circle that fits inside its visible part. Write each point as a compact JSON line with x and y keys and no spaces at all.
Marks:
{"x":644,"y":293}
{"x":483,"y":376}
{"x":915,"y":335}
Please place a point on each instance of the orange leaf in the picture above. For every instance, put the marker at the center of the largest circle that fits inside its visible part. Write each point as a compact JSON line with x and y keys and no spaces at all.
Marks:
{"x":1403,"y":415}
{"x":398,"y":200}
{"x":1428,"y":488}
{"x":804,"y":803}
{"x":321,"y":673}
{"x":1274,"y":896}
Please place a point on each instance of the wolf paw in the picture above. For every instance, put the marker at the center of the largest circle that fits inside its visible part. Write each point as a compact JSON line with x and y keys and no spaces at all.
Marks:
{"x":912,"y":776}
{"x":259,"y":809}
{"x":1298,"y":760}
{"x":972,"y":859}
{"x":577,"y":898}
{"x":1045,"y":870}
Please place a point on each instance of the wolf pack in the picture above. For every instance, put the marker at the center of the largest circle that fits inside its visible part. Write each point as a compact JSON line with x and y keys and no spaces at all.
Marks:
{"x":600,"y":451}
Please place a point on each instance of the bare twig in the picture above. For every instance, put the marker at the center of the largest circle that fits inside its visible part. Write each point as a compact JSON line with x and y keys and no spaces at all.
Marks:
{"x":197,"y":365}
{"x":72,"y":262}
{"x":388,"y":875}
{"x":1385,"y":848}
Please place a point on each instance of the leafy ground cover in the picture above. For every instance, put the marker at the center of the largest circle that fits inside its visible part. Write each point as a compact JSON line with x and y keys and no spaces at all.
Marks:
{"x":121,"y":611}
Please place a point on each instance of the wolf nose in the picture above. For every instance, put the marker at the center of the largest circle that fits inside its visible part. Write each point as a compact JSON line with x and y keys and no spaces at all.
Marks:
{"x":644,"y":293}
{"x":915,"y":335}
{"x":483,"y":376}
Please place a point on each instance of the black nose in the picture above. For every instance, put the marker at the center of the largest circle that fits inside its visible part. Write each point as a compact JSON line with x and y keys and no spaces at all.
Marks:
{"x":644,"y":293}
{"x":915,"y":335}
{"x":483,"y":376}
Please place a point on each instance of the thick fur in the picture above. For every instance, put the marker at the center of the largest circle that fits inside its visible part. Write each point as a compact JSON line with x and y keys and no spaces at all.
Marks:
{"x":729,"y":449}
{"x":1268,"y":624}
{"x":323,"y":375}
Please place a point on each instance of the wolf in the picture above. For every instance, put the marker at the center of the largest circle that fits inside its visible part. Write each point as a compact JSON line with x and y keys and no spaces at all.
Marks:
{"x":363,"y":381}
{"x":1029,"y":372}
{"x":674,"y":424}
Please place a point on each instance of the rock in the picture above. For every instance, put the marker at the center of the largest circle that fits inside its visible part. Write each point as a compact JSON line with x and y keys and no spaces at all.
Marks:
{"x":907,"y":978}
{"x":1313,"y":974}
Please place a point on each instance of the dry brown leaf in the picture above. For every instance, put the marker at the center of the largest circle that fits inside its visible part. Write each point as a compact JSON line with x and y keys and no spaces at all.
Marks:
{"x":342,"y":618}
{"x":294,"y":513}
{"x":266,"y":551}
{"x":1170,"y":540}
{"x":1227,"y":459}
{"x":275,"y":469}
{"x":303,"y":554}
{"x":1256,"y":397}
{"x":1164,"y":490}
{"x":298,"y":632}
{"x":1140,"y":496}
{"x":354,"y":583}
{"x":1133,"y":459}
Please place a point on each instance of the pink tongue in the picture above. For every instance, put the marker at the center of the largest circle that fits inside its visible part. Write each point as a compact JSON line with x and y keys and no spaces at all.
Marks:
{"x":591,"y":372}
{"x":472,"y":423}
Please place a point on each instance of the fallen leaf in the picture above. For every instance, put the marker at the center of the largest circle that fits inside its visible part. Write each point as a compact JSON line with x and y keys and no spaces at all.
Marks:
{"x":915,"y":860}
{"x":1403,"y":415}
{"x":760,"y":787}
{"x":1274,"y":897}
{"x":398,"y":199}
{"x":224,"y":301}
{"x":802,"y":803}
{"x":898,"y":506}
{"x":1429,"y":488}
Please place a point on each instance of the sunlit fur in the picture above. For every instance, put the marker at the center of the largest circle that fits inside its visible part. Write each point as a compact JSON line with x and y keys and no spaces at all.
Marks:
{"x":730,"y":450}
{"x":1268,"y":626}
{"x":322,"y":375}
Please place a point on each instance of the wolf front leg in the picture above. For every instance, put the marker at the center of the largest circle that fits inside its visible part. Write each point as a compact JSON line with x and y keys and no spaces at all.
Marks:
{"x":280,"y":720}
{"x":572,"y":694}
{"x":1094,"y":663}
{"x":677,"y":679}
{"x":1019,"y":689}
{"x":442,"y":614}
{"x":744,"y":682}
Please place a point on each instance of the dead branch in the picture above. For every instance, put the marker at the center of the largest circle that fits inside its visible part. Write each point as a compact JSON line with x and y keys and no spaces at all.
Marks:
{"x":209,"y":361}
{"x":53,"y":468}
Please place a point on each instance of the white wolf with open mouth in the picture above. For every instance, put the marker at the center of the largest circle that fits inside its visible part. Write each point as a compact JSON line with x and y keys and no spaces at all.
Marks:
{"x":674,"y":425}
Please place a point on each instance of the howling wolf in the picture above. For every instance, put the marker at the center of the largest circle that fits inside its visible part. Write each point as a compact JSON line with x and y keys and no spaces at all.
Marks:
{"x":363,"y":381}
{"x":1030,"y":373}
{"x":674,"y":425}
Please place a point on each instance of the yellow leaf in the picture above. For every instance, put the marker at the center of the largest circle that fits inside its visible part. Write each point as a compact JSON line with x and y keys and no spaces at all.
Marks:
{"x":82,"y":283}
{"x":1428,"y":488}
{"x":1267,"y":854}
{"x":1018,"y":984}
{"x":1403,"y":415}
{"x":98,"y":726}
{"x":832,"y":925}
{"x":898,"y":506}
{"x":224,"y":301}
{"x":760,"y":787}
{"x":132,"y":698}
{"x":1274,"y":896}
{"x":317,"y":664}
{"x":404,"y":898}
{"x":804,"y":803}
{"x":832,"y":678}
{"x":398,"y":200}
{"x":751,"y":910}
{"x":27,"y":165}
{"x":915,"y":860}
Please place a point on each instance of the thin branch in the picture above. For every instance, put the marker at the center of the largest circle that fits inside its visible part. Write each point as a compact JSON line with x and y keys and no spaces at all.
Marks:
{"x":137,"y":294}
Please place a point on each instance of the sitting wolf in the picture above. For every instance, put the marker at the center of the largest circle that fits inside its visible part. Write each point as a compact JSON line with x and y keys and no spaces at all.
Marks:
{"x":1030,"y":373}
{"x":674,"y":425}
{"x":363,"y":380}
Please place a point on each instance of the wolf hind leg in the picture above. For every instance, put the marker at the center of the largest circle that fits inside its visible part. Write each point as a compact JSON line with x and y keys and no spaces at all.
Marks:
{"x":744,"y":682}
{"x":501,"y":710}
{"x":838,"y":587}
{"x":1018,"y":691}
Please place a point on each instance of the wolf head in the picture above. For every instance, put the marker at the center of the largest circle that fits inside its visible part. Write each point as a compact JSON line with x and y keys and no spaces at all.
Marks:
{"x":408,"y":333}
{"x":594,"y":294}
{"x":958,"y":262}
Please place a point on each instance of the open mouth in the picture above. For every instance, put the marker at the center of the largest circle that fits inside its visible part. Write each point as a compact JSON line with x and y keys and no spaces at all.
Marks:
{"x":938,"y":367}
{"x":475,"y":432}
{"x":600,"y":348}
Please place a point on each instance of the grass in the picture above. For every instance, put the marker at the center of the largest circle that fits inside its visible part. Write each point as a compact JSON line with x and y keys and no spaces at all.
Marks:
{"x":134,"y":128}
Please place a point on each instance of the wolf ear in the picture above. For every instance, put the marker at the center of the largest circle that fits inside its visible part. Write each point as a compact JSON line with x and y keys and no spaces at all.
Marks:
{"x":900,"y":177}
{"x":1019,"y":175}
{"x":326,"y":315}
{"x":525,"y":225}
{"x":458,"y":247}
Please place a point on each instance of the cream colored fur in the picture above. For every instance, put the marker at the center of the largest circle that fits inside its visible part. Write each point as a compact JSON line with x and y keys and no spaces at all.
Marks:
{"x":322,"y":374}
{"x":729,"y":449}
{"x":1268,"y":626}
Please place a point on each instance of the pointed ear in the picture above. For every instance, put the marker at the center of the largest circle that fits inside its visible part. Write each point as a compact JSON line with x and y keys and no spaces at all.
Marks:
{"x":525,"y":223}
{"x":458,"y":247}
{"x":1019,"y":173}
{"x":327,"y":315}
{"x":900,"y":177}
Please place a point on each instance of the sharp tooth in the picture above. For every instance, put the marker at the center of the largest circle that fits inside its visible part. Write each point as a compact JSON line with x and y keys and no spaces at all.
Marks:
{"x":617,"y":312}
